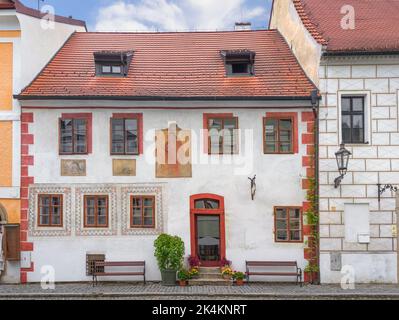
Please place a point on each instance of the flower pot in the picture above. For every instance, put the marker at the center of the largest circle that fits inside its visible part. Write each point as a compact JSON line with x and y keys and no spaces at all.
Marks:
{"x":168,"y":277}
{"x":310,"y":277}
{"x":239,"y":282}
{"x":182,"y":283}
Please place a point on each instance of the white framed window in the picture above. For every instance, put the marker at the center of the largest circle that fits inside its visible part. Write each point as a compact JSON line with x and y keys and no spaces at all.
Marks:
{"x":354,"y":117}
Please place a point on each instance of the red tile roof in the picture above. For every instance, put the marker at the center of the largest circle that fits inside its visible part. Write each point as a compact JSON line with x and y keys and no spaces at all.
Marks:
{"x":376,"y":24}
{"x":173,"y":65}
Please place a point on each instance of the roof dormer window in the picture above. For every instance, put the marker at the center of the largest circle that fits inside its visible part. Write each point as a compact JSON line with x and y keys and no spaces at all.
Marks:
{"x":113,"y":63}
{"x":239,"y":62}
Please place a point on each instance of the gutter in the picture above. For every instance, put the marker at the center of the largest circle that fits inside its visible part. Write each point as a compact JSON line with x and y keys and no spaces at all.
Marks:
{"x":359,"y":53}
{"x":165,"y":98}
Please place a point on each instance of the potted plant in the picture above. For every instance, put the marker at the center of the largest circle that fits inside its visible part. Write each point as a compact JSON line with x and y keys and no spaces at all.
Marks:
{"x":183,"y":275}
{"x":194,"y":262}
{"x":227,"y":272}
{"x":194,"y":272}
{"x":311,"y":271}
{"x":239,"y":278}
{"x":225,"y":263}
{"x":169,"y":252}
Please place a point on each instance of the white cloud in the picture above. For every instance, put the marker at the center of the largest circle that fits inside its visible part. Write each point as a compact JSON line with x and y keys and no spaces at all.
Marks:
{"x":172,"y":15}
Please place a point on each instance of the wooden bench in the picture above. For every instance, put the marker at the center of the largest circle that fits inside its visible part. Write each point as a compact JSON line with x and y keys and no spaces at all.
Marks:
{"x":289,"y":268}
{"x":100,"y":269}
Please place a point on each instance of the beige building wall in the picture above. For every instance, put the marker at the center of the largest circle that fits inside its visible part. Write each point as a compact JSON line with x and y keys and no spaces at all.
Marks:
{"x":308,"y":52}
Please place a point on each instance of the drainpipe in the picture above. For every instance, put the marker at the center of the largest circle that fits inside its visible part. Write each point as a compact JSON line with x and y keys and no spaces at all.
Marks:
{"x":315,"y":107}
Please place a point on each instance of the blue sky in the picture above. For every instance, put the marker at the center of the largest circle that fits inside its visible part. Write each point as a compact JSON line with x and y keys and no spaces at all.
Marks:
{"x":163,"y":15}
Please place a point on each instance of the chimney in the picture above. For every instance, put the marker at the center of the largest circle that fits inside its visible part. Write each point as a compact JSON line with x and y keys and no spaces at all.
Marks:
{"x":242,"y":26}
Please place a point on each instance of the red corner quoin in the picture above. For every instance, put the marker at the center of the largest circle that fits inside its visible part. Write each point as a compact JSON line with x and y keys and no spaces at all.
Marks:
{"x":27,"y":160}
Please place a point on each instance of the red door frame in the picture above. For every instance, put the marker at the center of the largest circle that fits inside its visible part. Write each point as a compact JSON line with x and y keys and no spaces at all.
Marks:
{"x":207,"y":212}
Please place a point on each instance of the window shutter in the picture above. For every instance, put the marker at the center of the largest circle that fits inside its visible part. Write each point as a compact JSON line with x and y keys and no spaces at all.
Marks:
{"x":12,"y":243}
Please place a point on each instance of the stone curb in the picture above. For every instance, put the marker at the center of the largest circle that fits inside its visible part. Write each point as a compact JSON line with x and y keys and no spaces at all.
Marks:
{"x":296,"y":296}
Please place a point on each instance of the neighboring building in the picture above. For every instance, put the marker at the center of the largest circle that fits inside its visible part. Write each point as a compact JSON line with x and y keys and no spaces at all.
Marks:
{"x":25,"y":48}
{"x":357,"y":71}
{"x":96,"y":114}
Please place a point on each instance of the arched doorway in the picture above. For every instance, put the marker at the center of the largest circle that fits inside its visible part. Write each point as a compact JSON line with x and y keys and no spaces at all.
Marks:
{"x":207,"y":227}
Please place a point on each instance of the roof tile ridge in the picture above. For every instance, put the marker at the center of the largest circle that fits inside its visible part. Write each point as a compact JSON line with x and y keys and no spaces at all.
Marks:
{"x":307,"y":18}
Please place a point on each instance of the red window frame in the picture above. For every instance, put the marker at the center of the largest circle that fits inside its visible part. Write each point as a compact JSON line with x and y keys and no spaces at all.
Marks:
{"x":51,"y":210}
{"x":288,"y":229}
{"x":96,"y":224}
{"x":129,"y":116}
{"x":142,"y":207}
{"x":293,"y":116}
{"x":88,"y":117}
{"x":207,"y":138}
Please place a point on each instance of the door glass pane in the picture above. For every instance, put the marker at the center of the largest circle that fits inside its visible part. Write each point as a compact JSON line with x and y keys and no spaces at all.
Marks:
{"x":208,"y":238}
{"x":207,"y":204}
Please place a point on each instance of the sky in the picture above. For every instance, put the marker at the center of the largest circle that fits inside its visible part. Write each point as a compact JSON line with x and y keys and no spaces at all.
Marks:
{"x":162,"y":15}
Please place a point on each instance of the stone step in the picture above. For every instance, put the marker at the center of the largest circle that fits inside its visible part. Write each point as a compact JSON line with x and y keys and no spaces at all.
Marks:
{"x":210,"y":282}
{"x":208,"y":270}
{"x":208,"y":275}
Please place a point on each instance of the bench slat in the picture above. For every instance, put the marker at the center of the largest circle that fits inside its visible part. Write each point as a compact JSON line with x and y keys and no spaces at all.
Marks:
{"x":272,"y":274}
{"x":119,"y":273}
{"x":271,"y":263}
{"x":120,"y":264}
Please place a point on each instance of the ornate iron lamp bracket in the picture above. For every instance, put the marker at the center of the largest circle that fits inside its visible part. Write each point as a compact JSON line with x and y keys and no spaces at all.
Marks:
{"x":381,"y":189}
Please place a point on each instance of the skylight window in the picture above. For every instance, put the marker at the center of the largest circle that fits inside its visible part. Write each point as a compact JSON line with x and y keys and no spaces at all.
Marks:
{"x":113,"y":63}
{"x":239,"y":62}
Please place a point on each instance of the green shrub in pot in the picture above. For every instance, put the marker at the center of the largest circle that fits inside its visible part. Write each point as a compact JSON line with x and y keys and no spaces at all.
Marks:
{"x":169,"y":252}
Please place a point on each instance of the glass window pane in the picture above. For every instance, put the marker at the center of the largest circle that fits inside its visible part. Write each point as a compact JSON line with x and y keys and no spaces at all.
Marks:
{"x":90,"y":202}
{"x":295,"y":213}
{"x":44,"y":220}
{"x":346,"y":136}
{"x":136,"y":212}
{"x":358,"y":121}
{"x":285,"y":147}
{"x":295,"y":235}
{"x":358,"y":104}
{"x":116,"y":69}
{"x":346,"y":104}
{"x":56,"y":220}
{"x":357,"y":135}
{"x":137,"y":221}
{"x":295,"y":225}
{"x":282,"y":235}
{"x":90,"y":220}
{"x":240,"y":68}
{"x":148,"y":212}
{"x":281,"y":214}
{"x":286,"y":125}
{"x":215,"y":124}
{"x":136,"y":202}
{"x":148,"y":221}
{"x":56,"y":201}
{"x":281,"y":225}
{"x":285,"y":136}
{"x":44,"y":201}
{"x":102,"y":202}
{"x":106,"y":69}
{"x":148,"y":202}
{"x":270,"y":147}
{"x":207,"y":204}
{"x":102,"y":220}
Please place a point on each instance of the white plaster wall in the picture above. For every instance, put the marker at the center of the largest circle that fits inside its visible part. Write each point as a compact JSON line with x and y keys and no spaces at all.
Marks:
{"x":376,"y":78}
{"x":368,"y":268}
{"x":249,"y":224}
{"x":39,"y":45}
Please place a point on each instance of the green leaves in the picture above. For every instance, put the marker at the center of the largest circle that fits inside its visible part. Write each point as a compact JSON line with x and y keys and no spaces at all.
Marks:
{"x":169,"y":252}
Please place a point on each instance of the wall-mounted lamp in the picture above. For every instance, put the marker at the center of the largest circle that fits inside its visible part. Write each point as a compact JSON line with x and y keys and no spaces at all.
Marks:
{"x":253,"y":187}
{"x":342,"y":156}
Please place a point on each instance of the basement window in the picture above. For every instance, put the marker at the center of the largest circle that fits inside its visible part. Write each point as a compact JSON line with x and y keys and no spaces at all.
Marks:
{"x":113,"y":63}
{"x":239,"y":62}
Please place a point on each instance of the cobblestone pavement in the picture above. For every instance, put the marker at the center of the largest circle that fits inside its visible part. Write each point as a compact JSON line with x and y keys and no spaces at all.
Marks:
{"x":154,"y":291}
